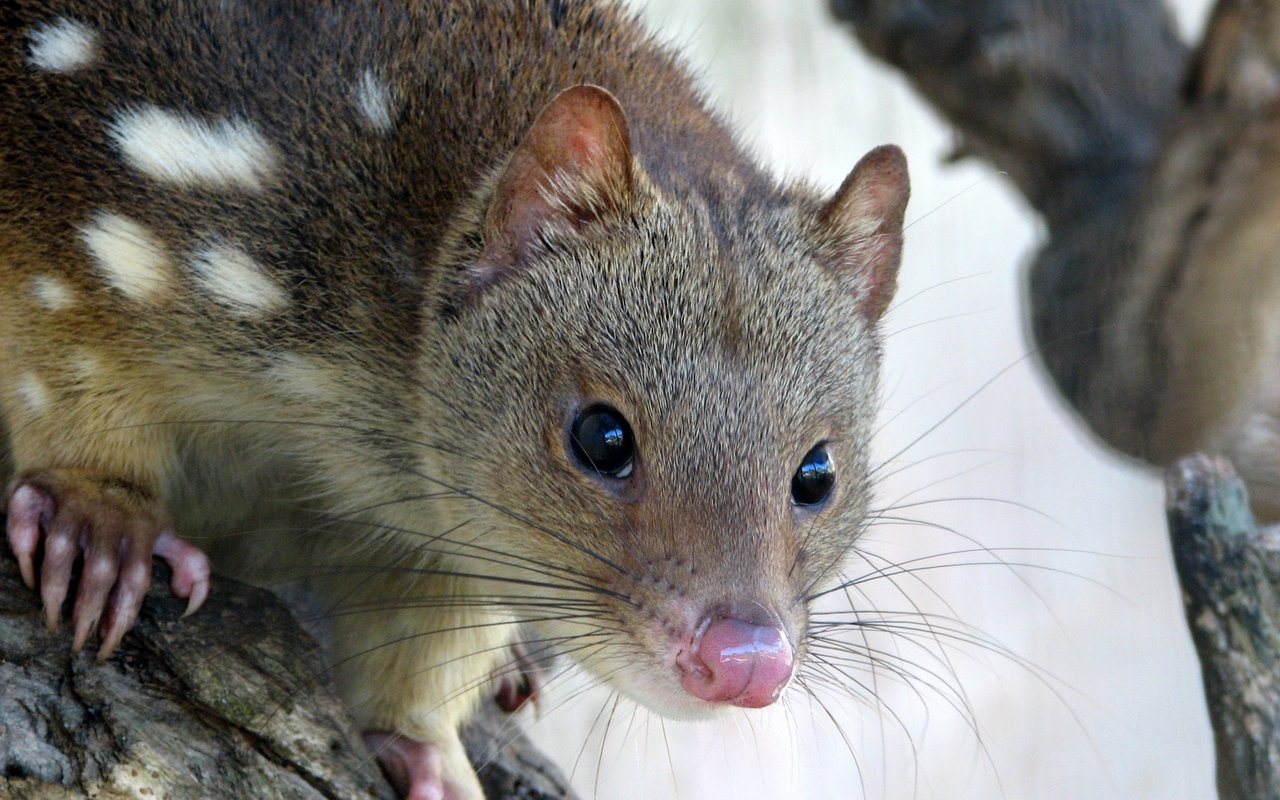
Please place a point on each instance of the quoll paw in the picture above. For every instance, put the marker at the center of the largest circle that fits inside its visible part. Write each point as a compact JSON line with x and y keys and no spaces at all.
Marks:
{"x":425,"y":770}
{"x":112,"y":528}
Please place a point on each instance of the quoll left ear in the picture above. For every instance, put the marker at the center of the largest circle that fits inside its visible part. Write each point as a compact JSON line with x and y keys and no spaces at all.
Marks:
{"x":863,"y":224}
{"x":573,"y":166}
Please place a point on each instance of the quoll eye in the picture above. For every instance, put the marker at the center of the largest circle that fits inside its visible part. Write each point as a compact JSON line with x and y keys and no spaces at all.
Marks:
{"x":814,"y":479}
{"x":602,"y":442}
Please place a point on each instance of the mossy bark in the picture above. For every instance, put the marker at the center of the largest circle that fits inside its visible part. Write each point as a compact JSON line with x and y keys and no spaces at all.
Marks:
{"x":1230,"y":574}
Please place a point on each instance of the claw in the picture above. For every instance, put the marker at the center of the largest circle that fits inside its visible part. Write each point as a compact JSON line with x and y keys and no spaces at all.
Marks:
{"x":96,"y":582}
{"x":125,"y":605}
{"x":55,"y":577}
{"x":26,"y":564}
{"x":85,"y":625}
{"x":53,"y":599}
{"x":27,"y":508}
{"x":126,"y":601}
{"x":190,"y":569}
{"x":199,"y":593}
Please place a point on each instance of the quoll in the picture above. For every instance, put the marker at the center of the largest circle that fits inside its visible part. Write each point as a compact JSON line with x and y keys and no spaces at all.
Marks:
{"x":474,"y":298}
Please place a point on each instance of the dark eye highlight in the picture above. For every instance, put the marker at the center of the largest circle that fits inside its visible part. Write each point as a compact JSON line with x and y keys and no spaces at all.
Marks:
{"x":602,"y":442}
{"x":814,"y":479}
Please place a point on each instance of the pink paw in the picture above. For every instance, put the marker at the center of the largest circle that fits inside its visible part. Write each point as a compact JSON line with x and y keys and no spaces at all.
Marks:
{"x":423,"y":770}
{"x":112,"y":529}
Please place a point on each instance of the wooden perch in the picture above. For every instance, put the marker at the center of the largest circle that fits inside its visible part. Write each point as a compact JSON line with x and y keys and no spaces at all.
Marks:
{"x":1158,"y":173}
{"x":231,"y":703}
{"x":1230,"y":574}
{"x":1154,"y":303}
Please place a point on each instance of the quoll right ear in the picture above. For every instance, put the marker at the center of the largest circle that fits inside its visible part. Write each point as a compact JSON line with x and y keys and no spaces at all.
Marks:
{"x":573,"y":166}
{"x":863,"y":225}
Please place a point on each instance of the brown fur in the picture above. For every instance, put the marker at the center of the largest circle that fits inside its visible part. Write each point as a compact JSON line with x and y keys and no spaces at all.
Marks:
{"x":409,"y":407}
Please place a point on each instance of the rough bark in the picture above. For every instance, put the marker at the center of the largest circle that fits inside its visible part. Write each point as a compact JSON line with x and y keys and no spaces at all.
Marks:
{"x":1230,"y":574}
{"x":231,"y":702}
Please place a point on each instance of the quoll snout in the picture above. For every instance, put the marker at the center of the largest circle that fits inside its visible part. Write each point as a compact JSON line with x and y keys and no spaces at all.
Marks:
{"x":733,"y":661}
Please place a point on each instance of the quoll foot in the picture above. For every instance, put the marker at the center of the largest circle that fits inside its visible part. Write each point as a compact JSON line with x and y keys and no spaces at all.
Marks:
{"x":425,"y":770}
{"x":112,"y":528}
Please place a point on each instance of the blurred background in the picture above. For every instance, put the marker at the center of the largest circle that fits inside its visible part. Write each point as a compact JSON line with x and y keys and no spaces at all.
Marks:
{"x":1065,"y":669}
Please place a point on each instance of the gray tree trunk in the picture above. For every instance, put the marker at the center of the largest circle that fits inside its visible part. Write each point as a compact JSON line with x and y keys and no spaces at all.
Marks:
{"x":1157,"y":170}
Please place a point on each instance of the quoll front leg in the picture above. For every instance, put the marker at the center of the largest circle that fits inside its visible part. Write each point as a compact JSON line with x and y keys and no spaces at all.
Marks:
{"x":58,"y":517}
{"x":415,"y":651}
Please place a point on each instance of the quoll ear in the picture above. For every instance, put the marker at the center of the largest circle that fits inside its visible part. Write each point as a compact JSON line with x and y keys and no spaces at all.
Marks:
{"x":573,"y":166}
{"x":864,"y":224}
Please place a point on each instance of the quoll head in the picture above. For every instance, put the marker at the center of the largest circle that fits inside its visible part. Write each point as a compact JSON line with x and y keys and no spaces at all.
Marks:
{"x":663,"y":403}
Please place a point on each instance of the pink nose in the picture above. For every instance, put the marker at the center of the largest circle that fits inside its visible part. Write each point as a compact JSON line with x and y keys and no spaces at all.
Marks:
{"x":738,"y":663}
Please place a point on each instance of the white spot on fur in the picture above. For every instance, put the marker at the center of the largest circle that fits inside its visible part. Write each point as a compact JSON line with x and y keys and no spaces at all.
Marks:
{"x":52,"y":293}
{"x":84,"y":364}
{"x":61,"y":46}
{"x":170,"y":146}
{"x":374,"y":101}
{"x":237,"y":281}
{"x":34,"y":393}
{"x":131,"y":259}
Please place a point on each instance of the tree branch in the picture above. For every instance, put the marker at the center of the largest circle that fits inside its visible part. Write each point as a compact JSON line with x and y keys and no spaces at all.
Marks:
{"x":231,"y":702}
{"x":1153,"y":302}
{"x":1230,"y":574}
{"x":1158,"y":172}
